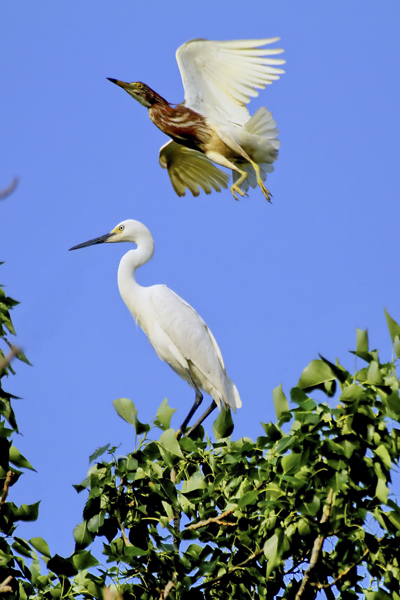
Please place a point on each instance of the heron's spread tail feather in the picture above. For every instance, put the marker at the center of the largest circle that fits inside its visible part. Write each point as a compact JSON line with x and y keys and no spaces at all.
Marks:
{"x":262,"y":123}
{"x":261,"y":143}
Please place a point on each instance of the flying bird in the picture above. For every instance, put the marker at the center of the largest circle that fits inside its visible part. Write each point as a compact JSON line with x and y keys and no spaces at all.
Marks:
{"x":212,"y":124}
{"x":177,"y":333}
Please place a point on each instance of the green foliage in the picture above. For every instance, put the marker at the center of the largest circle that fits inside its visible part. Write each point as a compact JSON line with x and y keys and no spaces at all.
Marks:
{"x":297,"y":511}
{"x":17,"y":578}
{"x":305,"y":510}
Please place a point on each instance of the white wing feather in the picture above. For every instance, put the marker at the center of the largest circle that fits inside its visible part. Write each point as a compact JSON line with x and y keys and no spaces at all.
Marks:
{"x":194,"y":341}
{"x":220,"y":78}
{"x":191,"y":169}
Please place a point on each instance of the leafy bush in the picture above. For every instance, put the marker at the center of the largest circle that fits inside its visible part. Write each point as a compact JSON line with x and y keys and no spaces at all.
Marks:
{"x":295,"y":512}
{"x":305,"y":509}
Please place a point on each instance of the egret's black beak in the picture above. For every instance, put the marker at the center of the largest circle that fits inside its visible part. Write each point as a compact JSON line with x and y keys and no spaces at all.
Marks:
{"x":99,"y":240}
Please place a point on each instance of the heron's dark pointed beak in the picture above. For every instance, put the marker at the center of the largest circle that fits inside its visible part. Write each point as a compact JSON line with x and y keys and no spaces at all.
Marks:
{"x":98,"y":240}
{"x":121,"y":84}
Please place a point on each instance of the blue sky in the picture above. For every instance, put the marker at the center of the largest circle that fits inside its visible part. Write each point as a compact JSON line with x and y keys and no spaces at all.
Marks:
{"x":277,"y":284}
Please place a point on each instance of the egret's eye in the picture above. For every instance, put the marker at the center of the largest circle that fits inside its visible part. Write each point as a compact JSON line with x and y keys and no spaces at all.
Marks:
{"x":139,"y":86}
{"x":121,"y":227}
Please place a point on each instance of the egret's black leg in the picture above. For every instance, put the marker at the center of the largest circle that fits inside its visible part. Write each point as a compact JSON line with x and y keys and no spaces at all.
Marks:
{"x":198,"y":400}
{"x":204,"y":416}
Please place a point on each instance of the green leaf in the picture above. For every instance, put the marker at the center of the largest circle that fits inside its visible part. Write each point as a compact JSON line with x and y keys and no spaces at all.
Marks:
{"x":290,"y":463}
{"x":196,"y":482}
{"x":62,"y":566}
{"x":99,"y":452}
{"x":18,"y":460}
{"x":311,"y":508}
{"x":82,"y":535}
{"x":273,"y":491}
{"x":249,"y":498}
{"x":298,"y":396}
{"x":223,"y":424}
{"x":374,"y":374}
{"x":348,"y":447}
{"x":394,"y":518}
{"x":271,"y":551}
{"x":127,"y":411}
{"x":271,"y":546}
{"x":280,"y":402}
{"x":382,"y":491}
{"x":317,"y":372}
{"x":164,"y":414}
{"x":341,"y":374}
{"x":303,"y":527}
{"x":397,"y":346}
{"x":339,"y":482}
{"x":194,"y":551}
{"x":22,"y":547}
{"x":26,"y":512}
{"x":394,"y":328}
{"x":351,"y":393}
{"x":96,"y":522}
{"x":393,"y":401}
{"x":41,"y":546}
{"x":84,"y":560}
{"x":361,"y":340}
{"x":384,"y":455}
{"x":6,"y":409}
{"x":284,"y":443}
{"x":379,"y":595}
{"x":34,"y":567}
{"x":135,"y":551}
{"x":170,"y":443}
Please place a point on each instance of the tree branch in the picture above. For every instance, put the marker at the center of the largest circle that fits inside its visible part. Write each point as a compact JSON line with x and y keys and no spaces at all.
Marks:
{"x":9,"y":190}
{"x":176,"y":541}
{"x":235,"y":568}
{"x":177,"y":515}
{"x":121,"y":528}
{"x":168,"y":587}
{"x":6,"y":487}
{"x":318,"y":543}
{"x":7,"y":359}
{"x":213,"y":520}
{"x":4,"y":587}
{"x":339,"y":577}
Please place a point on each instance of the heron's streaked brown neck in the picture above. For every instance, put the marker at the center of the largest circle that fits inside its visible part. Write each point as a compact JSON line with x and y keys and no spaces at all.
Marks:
{"x":155,"y":98}
{"x":184,"y":125}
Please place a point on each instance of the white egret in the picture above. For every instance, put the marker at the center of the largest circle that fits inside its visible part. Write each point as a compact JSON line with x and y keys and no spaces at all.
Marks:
{"x":177,"y":333}
{"x":213,"y":125}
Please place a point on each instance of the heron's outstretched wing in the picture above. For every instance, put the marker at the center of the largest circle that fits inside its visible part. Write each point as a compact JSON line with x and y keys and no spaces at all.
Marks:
{"x":221,"y":77}
{"x":191,"y":169}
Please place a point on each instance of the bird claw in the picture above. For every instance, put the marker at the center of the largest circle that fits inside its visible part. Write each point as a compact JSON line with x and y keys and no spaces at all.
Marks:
{"x":264,"y":190}
{"x":236,"y":188}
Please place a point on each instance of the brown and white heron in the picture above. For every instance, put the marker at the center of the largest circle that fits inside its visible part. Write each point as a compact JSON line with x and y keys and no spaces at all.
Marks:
{"x":213,"y":124}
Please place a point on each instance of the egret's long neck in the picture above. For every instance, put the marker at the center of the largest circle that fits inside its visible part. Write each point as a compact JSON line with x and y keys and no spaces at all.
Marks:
{"x":129,"y":289}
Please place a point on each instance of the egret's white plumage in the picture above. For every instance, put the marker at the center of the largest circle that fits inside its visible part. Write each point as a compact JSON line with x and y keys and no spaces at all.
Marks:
{"x":219,"y":79}
{"x":178,"y":334}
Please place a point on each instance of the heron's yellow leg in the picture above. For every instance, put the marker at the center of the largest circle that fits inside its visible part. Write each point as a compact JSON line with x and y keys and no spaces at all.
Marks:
{"x":224,"y":162}
{"x":235,"y":186}
{"x":260,"y":182}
